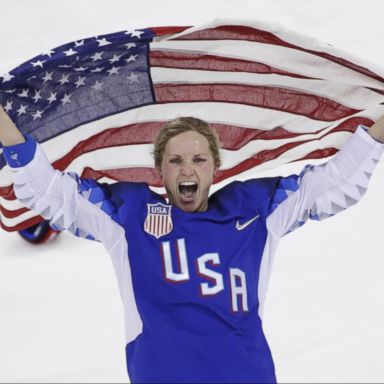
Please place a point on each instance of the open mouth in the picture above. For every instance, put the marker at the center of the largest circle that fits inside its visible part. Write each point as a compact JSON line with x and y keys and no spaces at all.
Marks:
{"x":187,"y":190}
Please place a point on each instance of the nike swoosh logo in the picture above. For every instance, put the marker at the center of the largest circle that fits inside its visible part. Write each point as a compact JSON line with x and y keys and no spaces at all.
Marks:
{"x":242,"y":226}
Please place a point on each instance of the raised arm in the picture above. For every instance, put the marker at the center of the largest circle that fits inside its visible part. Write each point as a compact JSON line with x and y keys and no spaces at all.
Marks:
{"x":67,"y":201}
{"x":323,"y":190}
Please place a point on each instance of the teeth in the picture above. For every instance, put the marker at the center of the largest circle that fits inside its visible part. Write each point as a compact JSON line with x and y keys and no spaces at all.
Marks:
{"x":188,"y":188}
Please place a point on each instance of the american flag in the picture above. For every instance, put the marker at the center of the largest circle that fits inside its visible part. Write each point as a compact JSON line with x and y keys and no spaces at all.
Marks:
{"x":273,"y":95}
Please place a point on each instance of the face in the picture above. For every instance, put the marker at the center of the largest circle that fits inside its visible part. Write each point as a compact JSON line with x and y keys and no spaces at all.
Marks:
{"x":187,"y":170}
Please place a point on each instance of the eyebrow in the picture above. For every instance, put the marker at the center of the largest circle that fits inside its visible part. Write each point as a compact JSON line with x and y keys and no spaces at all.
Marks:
{"x":177,"y":155}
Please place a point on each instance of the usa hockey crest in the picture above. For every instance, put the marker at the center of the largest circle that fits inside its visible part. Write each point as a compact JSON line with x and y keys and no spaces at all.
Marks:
{"x":158,"y":221}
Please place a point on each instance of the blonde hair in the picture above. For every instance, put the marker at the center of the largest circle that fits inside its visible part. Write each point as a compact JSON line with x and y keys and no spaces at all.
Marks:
{"x":185,"y":124}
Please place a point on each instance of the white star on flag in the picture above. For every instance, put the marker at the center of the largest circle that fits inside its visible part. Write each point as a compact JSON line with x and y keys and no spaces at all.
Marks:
{"x":70,"y":52}
{"x":49,"y":53}
{"x":97,"y":86}
{"x":113,"y":71}
{"x":97,"y":56}
{"x":134,"y":33}
{"x":80,"y":81}
{"x":8,"y":106}
{"x":98,"y":69}
{"x":37,"y":63}
{"x":64,"y":79}
{"x":66,"y":99}
{"x":47,"y":76}
{"x":102,"y":42}
{"x":37,"y":96}
{"x":24,"y":93}
{"x":114,"y":58}
{"x":52,"y":97}
{"x":130,"y":45}
{"x":131,"y":59}
{"x":22,"y":110}
{"x":133,"y":78}
{"x":37,"y":115}
{"x":7,"y":77}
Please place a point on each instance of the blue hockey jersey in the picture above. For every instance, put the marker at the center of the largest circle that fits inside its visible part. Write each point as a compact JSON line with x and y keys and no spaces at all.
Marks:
{"x":193,"y":284}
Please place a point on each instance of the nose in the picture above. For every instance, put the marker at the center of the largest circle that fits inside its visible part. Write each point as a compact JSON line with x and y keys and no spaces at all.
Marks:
{"x":187,"y":169}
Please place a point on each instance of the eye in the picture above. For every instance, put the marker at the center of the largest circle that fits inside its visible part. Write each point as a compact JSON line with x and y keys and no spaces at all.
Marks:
{"x":199,"y":159}
{"x":175,"y":160}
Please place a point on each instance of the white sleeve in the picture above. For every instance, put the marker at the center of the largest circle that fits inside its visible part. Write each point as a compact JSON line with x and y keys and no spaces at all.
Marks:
{"x":322,"y":191}
{"x":57,"y":197}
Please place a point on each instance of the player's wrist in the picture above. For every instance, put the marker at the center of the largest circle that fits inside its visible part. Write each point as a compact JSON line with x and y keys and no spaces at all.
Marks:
{"x":20,"y":154}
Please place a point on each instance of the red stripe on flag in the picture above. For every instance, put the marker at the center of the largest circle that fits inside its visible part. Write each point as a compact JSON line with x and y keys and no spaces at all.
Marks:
{"x":23,"y":225}
{"x":350,"y":125}
{"x":197,"y":61}
{"x":7,"y":192}
{"x":235,"y":32}
{"x":277,"y":98}
{"x":135,"y":174}
{"x":141,"y":133}
{"x":380,"y":91}
{"x":239,"y":32}
{"x":255,"y":160}
{"x":168,"y":30}
{"x":319,"y":154}
{"x":12,"y":214}
{"x":234,"y":138}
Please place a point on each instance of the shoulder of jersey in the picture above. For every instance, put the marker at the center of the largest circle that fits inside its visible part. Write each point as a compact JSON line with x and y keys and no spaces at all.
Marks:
{"x":253,"y":191}
{"x":128,"y":196}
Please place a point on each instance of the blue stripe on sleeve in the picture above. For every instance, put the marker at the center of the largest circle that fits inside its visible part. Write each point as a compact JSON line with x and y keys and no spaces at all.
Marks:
{"x":285,"y":187}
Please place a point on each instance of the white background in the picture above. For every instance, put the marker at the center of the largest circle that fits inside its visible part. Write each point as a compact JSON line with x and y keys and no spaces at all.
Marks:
{"x":60,"y":314}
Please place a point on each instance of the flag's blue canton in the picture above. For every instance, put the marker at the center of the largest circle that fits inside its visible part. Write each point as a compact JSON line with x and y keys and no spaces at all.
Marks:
{"x":77,"y":83}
